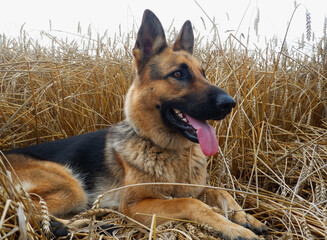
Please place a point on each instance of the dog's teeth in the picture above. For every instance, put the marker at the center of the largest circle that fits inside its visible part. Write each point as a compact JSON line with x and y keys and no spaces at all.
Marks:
{"x":177,"y":111}
{"x":180,"y":115}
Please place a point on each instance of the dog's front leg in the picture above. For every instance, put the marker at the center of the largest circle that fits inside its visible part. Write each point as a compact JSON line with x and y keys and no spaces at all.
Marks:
{"x":189,"y":209}
{"x":225,"y":202}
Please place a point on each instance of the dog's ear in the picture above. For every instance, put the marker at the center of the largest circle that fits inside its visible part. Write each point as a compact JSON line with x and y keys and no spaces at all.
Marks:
{"x":150,"y":41}
{"x":185,"y":39}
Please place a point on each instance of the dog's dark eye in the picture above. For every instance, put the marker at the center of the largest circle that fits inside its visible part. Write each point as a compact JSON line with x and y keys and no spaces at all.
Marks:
{"x":177,"y":74}
{"x":181,"y":74}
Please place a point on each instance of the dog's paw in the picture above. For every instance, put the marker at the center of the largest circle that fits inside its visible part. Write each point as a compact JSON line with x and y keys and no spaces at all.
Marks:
{"x":255,"y":225}
{"x":58,"y":229}
{"x":237,"y":232}
{"x":250,"y":222}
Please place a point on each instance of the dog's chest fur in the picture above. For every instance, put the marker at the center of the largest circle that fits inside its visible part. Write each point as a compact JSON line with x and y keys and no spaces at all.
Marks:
{"x":144,"y":162}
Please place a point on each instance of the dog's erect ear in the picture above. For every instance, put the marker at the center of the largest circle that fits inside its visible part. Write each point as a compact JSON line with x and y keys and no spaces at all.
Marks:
{"x":185,"y":39}
{"x":150,"y":41}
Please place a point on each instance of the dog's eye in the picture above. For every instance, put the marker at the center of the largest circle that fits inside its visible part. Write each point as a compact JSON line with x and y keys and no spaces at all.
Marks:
{"x":177,"y":74}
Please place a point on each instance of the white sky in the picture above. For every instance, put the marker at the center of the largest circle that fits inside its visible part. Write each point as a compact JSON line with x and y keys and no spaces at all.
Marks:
{"x":108,"y":15}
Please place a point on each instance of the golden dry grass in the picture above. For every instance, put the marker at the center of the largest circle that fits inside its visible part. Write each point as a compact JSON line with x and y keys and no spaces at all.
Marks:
{"x":273,"y":147}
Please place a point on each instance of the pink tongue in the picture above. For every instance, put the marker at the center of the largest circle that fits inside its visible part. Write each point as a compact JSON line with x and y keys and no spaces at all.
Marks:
{"x":206,"y":135}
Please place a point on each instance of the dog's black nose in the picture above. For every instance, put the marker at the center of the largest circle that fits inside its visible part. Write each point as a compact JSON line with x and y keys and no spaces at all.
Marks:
{"x":225,"y":102}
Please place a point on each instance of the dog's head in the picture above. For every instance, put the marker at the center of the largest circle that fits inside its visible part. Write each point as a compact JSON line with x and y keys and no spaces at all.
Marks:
{"x":170,"y":98}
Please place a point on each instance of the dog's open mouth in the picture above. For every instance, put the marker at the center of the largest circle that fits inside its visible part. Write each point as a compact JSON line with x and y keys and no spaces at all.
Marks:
{"x":195,"y":130}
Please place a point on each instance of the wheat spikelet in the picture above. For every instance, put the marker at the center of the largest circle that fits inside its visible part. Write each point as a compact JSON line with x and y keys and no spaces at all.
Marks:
{"x":196,"y":233}
{"x":272,"y":108}
{"x":89,"y":32}
{"x":320,"y":191}
{"x":308,"y":25}
{"x":309,"y":117}
{"x":305,"y":229}
{"x":256,"y":22}
{"x":175,"y":231}
{"x":50,"y":25}
{"x":286,"y":236}
{"x":170,"y":235}
{"x":254,"y":105}
{"x":98,"y":200}
{"x":275,"y":41}
{"x":45,"y":219}
{"x":90,"y":213}
{"x":306,"y":170}
{"x":79,"y":28}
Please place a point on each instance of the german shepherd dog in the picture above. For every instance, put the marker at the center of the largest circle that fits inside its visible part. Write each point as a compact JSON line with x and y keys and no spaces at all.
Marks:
{"x":164,"y":139}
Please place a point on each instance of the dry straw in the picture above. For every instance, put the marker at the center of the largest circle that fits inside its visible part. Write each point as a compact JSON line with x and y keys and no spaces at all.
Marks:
{"x":273,"y":146}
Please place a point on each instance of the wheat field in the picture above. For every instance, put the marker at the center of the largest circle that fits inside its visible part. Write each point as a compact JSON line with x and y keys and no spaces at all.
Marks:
{"x":273,"y":146}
